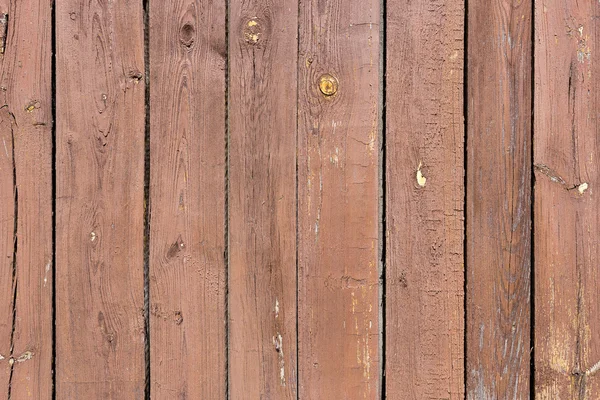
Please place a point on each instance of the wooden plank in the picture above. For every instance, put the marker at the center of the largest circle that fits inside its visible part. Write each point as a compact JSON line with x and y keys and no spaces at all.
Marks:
{"x":262,"y":199}
{"x":187,"y":199}
{"x":424,"y":200}
{"x":338,"y":188}
{"x":498,"y":208}
{"x":7,"y":222}
{"x":26,"y":198}
{"x":567,"y":209}
{"x":7,"y":239}
{"x":99,"y":200}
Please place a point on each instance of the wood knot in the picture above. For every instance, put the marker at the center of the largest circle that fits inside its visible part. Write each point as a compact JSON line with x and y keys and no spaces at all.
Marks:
{"x":135,"y":75}
{"x":175,"y":248}
{"x":252,"y":31}
{"x":402,"y":280}
{"x":32,"y":105}
{"x":178,"y":318}
{"x":328,"y":85}
{"x":187,"y":35}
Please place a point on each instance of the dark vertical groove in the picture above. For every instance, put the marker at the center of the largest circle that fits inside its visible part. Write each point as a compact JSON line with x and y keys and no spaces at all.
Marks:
{"x":146,"y":10}
{"x":299,"y":15}
{"x":298,"y":201}
{"x":383,"y":188}
{"x":53,"y":167}
{"x":226,"y":202}
{"x":532,"y":205}
{"x":11,"y":360}
{"x":466,"y":204}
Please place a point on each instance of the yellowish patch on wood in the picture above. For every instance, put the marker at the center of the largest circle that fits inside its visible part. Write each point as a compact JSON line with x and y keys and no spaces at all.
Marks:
{"x":421,"y":180}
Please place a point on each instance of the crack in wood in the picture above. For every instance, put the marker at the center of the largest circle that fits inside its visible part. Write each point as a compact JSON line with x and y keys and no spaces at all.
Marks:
{"x":557,"y":178}
{"x":13,"y":123}
{"x":3,"y":31}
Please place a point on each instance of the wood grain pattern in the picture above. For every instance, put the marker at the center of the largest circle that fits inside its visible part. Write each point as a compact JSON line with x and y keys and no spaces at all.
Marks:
{"x":26,"y":200}
{"x":100,"y":200}
{"x":425,"y":197}
{"x":7,"y":240}
{"x":567,"y":338}
{"x":498,"y":208}
{"x":262,"y":199}
{"x":338,"y":188}
{"x":187,"y":199}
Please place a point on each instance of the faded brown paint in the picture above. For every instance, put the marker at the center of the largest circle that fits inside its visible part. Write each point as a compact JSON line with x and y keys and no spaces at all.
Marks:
{"x":262,"y":199}
{"x":567,"y":327}
{"x":424,"y":198}
{"x":26,"y":200}
{"x":498,"y":208}
{"x":7,"y":256}
{"x":99,"y":200}
{"x":187,"y":199}
{"x":338,"y":187}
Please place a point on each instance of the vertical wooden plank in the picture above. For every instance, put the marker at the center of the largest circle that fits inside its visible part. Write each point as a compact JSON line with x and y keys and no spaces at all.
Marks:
{"x":7,"y":239}
{"x":187,"y":199}
{"x":567,"y":207}
{"x":498,"y":199}
{"x":338,"y":187}
{"x":262,"y":198}
{"x":424,"y":200}
{"x":7,"y":222}
{"x":99,"y":199}
{"x":26,"y":200}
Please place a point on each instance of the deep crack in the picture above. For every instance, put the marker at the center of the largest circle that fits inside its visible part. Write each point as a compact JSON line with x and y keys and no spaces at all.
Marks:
{"x":13,"y":123}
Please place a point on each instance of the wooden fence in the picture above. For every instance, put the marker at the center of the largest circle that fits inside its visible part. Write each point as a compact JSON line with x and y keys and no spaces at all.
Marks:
{"x":314,"y":199}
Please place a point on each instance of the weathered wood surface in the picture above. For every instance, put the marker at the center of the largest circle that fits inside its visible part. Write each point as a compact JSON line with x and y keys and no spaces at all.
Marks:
{"x":424,"y":200}
{"x":567,"y":209}
{"x":25,"y":200}
{"x":187,"y":199}
{"x":7,"y":247}
{"x":262,"y":199}
{"x":338,"y":195}
{"x":99,"y":200}
{"x":498,"y":208}
{"x":262,"y":131}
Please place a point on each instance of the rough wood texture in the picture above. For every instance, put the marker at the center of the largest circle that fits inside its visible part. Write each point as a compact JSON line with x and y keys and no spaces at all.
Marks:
{"x":7,"y":240}
{"x":567,"y":339}
{"x":424,"y":200}
{"x":262,"y":199}
{"x":26,"y":200}
{"x":498,"y":205}
{"x":338,"y":187}
{"x":100,"y":200}
{"x":187,"y":199}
